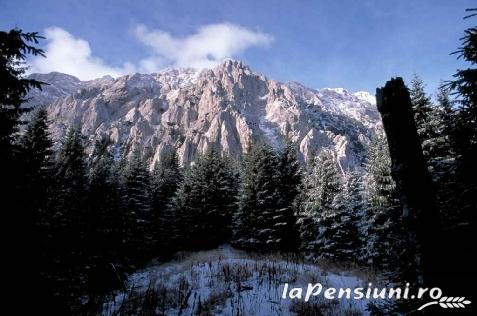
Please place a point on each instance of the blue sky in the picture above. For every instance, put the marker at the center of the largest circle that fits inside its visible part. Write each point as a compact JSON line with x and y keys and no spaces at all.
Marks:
{"x":353,"y":44}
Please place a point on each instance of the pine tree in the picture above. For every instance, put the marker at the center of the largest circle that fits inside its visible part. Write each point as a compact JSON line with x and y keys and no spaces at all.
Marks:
{"x":330,"y":185}
{"x":308,"y":207}
{"x":37,"y":153}
{"x":205,"y":202}
{"x":37,"y":156}
{"x":285,"y":229}
{"x":137,"y":217}
{"x":15,"y":45}
{"x":67,"y":253}
{"x":387,"y":236}
{"x":104,"y":217}
{"x":318,"y":210}
{"x":423,"y":114}
{"x":464,"y":86}
{"x":255,"y":222}
{"x":166,"y":179}
{"x":69,"y":200}
{"x":444,"y":127}
{"x":352,"y":217}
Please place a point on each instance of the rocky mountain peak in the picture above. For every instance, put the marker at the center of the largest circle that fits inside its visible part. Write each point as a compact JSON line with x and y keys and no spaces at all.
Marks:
{"x":227,"y":108}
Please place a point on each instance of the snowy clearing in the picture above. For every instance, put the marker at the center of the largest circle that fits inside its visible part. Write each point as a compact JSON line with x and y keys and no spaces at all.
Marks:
{"x":226,"y":281}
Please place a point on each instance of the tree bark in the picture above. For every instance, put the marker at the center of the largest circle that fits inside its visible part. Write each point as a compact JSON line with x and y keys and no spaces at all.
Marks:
{"x":410,"y":173}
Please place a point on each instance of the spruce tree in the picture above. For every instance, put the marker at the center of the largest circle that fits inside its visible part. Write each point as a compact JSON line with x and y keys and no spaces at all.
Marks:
{"x":423,"y":114}
{"x":464,"y":87}
{"x":350,"y":206}
{"x":166,"y":178}
{"x":37,"y":153}
{"x":69,"y":200}
{"x":205,"y":202}
{"x":137,"y":223}
{"x":15,"y":45}
{"x":318,"y":206}
{"x":444,"y":127}
{"x":104,"y":217}
{"x":307,"y":205}
{"x":329,"y":186}
{"x":255,"y":224}
{"x":387,"y":236}
{"x":289,"y":184}
{"x":69,"y":255}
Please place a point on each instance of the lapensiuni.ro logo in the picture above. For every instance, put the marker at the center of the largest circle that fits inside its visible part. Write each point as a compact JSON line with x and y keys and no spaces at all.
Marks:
{"x":432,"y":296}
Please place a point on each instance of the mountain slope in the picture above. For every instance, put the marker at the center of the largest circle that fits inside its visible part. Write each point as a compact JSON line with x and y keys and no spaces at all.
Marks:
{"x":226,"y":108}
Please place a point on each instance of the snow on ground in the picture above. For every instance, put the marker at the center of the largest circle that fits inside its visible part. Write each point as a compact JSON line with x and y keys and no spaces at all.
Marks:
{"x":226,"y":281}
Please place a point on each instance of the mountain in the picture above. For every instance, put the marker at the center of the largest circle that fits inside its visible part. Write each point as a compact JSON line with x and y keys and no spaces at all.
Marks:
{"x":226,"y":108}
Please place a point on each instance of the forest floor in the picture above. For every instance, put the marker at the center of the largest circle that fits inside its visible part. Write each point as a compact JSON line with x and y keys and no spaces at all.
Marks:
{"x":226,"y":281}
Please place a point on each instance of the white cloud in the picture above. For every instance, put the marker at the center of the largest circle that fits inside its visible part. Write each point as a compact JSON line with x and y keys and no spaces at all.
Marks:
{"x":71,"y":55}
{"x":204,"y":49}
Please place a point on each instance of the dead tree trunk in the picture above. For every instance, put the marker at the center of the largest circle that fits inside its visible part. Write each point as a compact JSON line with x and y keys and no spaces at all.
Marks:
{"x":410,"y":173}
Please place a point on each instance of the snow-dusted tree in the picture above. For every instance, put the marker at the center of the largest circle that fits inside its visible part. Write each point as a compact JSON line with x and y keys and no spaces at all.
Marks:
{"x":424,"y":115}
{"x":317,"y":205}
{"x":205,"y":202}
{"x":66,"y":256}
{"x":255,"y":223}
{"x":308,"y":207}
{"x":166,"y":178}
{"x":351,"y":204}
{"x":104,"y":216}
{"x":387,"y":236}
{"x":285,"y":230}
{"x":444,"y":128}
{"x":36,"y":149}
{"x":69,"y":200}
{"x":137,"y":214}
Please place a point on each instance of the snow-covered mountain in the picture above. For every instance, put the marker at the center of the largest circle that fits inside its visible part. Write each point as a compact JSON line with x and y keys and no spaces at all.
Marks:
{"x":226,"y":107}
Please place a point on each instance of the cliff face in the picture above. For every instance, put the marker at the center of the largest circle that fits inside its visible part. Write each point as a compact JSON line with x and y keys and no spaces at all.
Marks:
{"x":227,"y":108}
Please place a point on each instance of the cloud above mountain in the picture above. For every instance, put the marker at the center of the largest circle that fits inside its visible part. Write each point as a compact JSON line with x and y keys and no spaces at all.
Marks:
{"x":208,"y":46}
{"x":204,"y":49}
{"x":68,"y":54}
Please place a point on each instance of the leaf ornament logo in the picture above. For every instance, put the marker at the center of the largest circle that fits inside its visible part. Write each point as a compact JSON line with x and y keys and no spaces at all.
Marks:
{"x":448,"y":302}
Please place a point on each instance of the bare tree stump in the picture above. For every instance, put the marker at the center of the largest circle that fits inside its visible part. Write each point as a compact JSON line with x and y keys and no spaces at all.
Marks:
{"x":410,"y":173}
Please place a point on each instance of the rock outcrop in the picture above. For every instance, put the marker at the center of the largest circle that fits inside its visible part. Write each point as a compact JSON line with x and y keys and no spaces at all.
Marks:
{"x":225,"y":108}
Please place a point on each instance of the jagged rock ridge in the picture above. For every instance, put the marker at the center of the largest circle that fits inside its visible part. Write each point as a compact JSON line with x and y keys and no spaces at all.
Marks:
{"x":226,"y":107}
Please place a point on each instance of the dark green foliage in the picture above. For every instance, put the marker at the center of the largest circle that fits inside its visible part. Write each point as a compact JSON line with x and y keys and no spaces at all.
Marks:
{"x":137,"y":217}
{"x":320,"y":207}
{"x":205,"y":202}
{"x":104,"y":236}
{"x":386,"y":234}
{"x":423,"y":111}
{"x":14,"y":46}
{"x":166,"y":178}
{"x":71,"y":177}
{"x":260,"y":214}
{"x":37,"y":154}
{"x":69,"y":204}
{"x":348,"y":206}
{"x":289,"y":169}
{"x":464,"y":86}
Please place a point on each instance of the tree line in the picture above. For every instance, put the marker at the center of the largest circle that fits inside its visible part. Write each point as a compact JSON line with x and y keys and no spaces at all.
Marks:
{"x":97,"y":217}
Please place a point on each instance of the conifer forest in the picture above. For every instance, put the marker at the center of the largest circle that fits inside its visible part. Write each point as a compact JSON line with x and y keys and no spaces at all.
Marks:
{"x":101,"y":225}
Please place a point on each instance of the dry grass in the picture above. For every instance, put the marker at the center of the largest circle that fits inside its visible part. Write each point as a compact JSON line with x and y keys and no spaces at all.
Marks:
{"x":232,"y":282}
